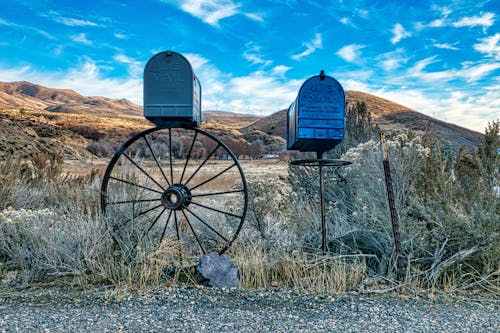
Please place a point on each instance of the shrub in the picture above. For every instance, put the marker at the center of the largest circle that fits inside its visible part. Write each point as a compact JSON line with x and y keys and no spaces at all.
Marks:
{"x":101,"y":148}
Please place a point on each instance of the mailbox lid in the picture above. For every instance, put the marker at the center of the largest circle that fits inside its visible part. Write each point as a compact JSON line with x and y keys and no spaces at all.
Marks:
{"x":172,"y":92}
{"x":321,"y":109}
{"x":316,"y":119}
{"x":168,"y":80}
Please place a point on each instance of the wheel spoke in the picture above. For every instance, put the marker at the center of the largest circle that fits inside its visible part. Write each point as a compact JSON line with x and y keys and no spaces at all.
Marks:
{"x":156,"y":159}
{"x":131,"y":201}
{"x":216,"y":210}
{"x":143,"y":212}
{"x":156,"y":219}
{"x":143,"y":171}
{"x":170,"y":154}
{"x":217,"y":175}
{"x":188,"y":157}
{"x":177,"y":226}
{"x":194,"y":233}
{"x":165,"y":227}
{"x":215,"y":193}
{"x":134,"y":184}
{"x":203,"y":163}
{"x":206,"y":224}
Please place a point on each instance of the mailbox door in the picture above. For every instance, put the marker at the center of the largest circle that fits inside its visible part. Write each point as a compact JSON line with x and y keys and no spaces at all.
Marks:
{"x":321,"y":104}
{"x":316,"y":119}
{"x":168,"y":86}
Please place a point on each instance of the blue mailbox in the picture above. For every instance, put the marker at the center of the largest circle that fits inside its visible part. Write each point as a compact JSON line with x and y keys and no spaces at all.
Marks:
{"x":172,"y":92}
{"x":316,"y":119}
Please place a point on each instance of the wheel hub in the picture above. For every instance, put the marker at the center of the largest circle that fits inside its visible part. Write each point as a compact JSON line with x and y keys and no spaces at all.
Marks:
{"x":176,"y":196}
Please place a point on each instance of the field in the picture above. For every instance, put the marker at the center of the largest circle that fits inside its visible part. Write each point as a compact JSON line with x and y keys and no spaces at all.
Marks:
{"x":52,"y":229}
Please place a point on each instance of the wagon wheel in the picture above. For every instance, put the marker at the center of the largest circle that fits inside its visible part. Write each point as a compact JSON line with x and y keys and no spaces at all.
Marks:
{"x":174,"y":185}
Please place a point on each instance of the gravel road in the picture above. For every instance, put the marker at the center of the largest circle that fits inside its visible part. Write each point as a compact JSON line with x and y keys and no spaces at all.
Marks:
{"x":219,"y":310}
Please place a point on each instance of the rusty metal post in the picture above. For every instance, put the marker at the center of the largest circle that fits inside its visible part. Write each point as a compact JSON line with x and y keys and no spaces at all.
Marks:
{"x":322,"y":198}
{"x":392,"y":207}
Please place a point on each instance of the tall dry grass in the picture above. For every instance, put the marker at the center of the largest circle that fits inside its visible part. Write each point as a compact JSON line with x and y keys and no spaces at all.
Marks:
{"x":51,"y":228}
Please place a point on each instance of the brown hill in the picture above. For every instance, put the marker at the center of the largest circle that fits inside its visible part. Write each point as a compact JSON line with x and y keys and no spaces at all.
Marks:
{"x":29,"y":96}
{"x":230,"y":120}
{"x":36,"y":118}
{"x":390,"y":116}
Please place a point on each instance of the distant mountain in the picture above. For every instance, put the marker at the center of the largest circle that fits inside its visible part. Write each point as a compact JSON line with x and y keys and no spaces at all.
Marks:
{"x":390,"y":116}
{"x":36,"y":118}
{"x":29,"y":96}
{"x":231,"y":120}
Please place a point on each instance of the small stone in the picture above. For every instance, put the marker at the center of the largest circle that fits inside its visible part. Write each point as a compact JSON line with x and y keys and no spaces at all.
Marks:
{"x":220,"y":271}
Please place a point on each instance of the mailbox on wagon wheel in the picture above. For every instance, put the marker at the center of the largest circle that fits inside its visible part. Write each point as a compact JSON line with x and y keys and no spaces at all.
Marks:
{"x":316,"y":123}
{"x":163,"y":186}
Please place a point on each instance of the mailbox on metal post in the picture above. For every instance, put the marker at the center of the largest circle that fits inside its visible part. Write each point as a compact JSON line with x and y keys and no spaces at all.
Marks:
{"x":172,"y":92}
{"x":316,"y":123}
{"x":316,"y":119}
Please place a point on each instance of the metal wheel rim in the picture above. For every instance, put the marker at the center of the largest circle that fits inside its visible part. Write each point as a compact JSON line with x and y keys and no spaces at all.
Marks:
{"x":183,"y":213}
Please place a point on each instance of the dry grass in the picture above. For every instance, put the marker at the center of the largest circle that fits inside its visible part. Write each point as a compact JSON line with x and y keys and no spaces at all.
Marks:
{"x":53,"y":230}
{"x":259,"y":269}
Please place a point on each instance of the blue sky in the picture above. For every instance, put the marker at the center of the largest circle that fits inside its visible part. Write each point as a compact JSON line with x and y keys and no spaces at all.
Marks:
{"x":441,"y":58}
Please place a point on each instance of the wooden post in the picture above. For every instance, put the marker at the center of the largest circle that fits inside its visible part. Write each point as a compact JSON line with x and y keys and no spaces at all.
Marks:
{"x":392,"y":207}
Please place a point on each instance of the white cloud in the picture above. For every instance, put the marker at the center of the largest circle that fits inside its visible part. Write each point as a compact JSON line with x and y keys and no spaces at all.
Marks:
{"x":135,"y":67}
{"x":311,"y":46}
{"x":74,"y":22}
{"x":445,"y":11}
{"x":447,"y":46}
{"x":392,"y":60}
{"x":87,"y":79}
{"x":362,"y":12}
{"x":280,"y":70}
{"x":25,"y":28}
{"x":81,"y":38}
{"x":490,"y":46}
{"x":345,"y":20}
{"x":437,"y":23}
{"x":458,"y":107}
{"x":253,"y":55}
{"x":212,"y":11}
{"x":260,"y":92}
{"x":351,"y":52}
{"x":469,"y":72}
{"x":399,"y":33}
{"x":120,"y":35}
{"x":486,"y":20}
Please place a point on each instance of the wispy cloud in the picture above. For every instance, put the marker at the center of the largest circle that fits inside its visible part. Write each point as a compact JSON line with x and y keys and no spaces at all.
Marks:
{"x":399,"y":33}
{"x":485,"y":20}
{"x":280,"y":70}
{"x":468,"y":72}
{"x":447,"y":46}
{"x":134,"y":67}
{"x":120,"y":35}
{"x":259,"y":92}
{"x":459,"y":107}
{"x":311,"y":46}
{"x":253,"y":55}
{"x":25,"y":28}
{"x":74,"y":22}
{"x":350,"y":52}
{"x":490,"y":46}
{"x":212,"y":11}
{"x":390,"y":61}
{"x":81,"y":38}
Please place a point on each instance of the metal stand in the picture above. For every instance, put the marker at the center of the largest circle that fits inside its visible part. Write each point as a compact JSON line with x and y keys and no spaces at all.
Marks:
{"x":320,"y":162}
